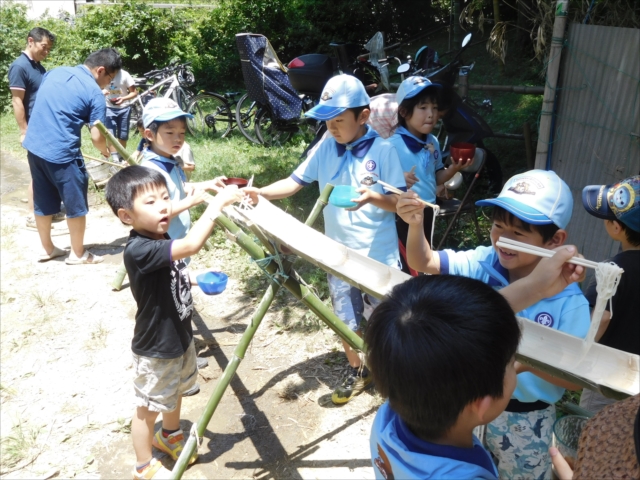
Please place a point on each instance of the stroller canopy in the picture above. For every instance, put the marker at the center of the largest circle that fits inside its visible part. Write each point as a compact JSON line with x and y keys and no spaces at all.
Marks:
{"x":266,"y":78}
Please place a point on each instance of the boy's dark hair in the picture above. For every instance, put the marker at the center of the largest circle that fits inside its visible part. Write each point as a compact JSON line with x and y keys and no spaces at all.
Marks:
{"x":633,"y":237}
{"x":358,"y":110}
{"x":109,"y":58}
{"x":154,"y":126}
{"x":437,"y":343}
{"x":405,"y":109}
{"x":128,"y":183}
{"x":546,"y":231}
{"x":38,"y":33}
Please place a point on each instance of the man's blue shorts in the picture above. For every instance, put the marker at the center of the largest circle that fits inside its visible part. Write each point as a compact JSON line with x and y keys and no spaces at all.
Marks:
{"x":55,"y":182}
{"x":118,"y":122}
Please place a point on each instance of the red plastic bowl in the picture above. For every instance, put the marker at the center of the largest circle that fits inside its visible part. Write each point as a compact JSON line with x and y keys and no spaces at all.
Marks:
{"x":462,"y":150}
{"x":240,"y":182}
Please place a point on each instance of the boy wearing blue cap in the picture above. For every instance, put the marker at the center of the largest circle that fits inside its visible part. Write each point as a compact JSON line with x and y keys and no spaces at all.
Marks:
{"x":619,"y":206}
{"x":165,"y":127}
{"x":356,"y":156}
{"x":533,"y":207}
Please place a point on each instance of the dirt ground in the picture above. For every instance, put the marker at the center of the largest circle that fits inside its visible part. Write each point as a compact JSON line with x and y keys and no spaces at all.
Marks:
{"x":66,"y":392}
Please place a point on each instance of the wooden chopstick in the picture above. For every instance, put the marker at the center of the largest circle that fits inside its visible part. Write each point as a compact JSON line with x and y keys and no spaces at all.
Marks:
{"x":399,"y":192}
{"x":541,"y":252}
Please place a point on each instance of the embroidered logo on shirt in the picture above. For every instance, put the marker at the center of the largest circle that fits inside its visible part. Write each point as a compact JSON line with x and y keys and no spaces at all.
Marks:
{"x":545,"y":319}
{"x":383,"y":464}
{"x":370,"y":166}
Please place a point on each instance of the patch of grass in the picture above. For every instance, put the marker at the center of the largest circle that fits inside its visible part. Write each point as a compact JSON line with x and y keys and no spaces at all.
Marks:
{"x":43,"y":299}
{"x":98,"y":337}
{"x":123,"y":426}
{"x":19,"y":444}
{"x":6,"y":392}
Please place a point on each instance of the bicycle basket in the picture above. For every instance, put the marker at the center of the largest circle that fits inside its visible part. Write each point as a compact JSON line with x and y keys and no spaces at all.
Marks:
{"x":266,"y":78}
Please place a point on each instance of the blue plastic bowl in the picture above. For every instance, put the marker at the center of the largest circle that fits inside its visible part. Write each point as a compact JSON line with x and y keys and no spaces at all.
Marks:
{"x":341,"y":196}
{"x":212,"y":283}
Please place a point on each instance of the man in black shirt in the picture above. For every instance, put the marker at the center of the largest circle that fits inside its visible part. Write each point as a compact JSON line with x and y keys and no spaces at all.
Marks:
{"x":619,"y":206}
{"x":25,"y":76}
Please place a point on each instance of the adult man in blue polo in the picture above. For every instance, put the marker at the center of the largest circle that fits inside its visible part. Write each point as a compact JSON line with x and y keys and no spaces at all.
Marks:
{"x":68,"y":98}
{"x":25,"y":76}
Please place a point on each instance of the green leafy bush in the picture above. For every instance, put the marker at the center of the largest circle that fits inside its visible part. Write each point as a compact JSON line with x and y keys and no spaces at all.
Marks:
{"x":13,"y":31}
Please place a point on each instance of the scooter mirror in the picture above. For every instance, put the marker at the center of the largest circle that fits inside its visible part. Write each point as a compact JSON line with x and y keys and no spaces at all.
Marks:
{"x":404,"y":68}
{"x":466,"y":40}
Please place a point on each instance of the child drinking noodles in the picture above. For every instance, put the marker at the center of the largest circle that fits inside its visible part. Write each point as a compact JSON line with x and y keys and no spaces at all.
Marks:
{"x":418,"y":149}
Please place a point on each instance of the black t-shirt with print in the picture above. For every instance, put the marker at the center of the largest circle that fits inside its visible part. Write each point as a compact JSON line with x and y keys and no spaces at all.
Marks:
{"x":623,"y":332}
{"x":162,"y":292}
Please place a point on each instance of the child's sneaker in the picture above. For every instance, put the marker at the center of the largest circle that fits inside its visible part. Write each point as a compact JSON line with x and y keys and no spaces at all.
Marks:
{"x":155,"y":470}
{"x":357,"y":380}
{"x":172,"y":445}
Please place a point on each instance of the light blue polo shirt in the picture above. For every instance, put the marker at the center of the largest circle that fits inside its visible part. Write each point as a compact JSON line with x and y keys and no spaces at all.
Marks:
{"x":68,"y":98}
{"x":397,"y":453}
{"x":426,"y":163}
{"x":567,"y":311}
{"x":370,"y":230}
{"x":175,"y":177}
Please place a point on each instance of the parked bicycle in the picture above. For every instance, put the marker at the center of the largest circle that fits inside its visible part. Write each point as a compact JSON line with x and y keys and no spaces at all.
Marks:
{"x":215,"y":115}
{"x":173,"y":81}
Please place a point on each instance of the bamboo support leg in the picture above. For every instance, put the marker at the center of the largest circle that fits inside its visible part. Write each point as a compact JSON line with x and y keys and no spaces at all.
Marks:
{"x":116,"y":144}
{"x":225,"y":380}
{"x":117,"y":282}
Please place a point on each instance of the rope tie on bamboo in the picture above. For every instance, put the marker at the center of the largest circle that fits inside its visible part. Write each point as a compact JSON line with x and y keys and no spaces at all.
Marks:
{"x":194,"y":432}
{"x":262,"y":265}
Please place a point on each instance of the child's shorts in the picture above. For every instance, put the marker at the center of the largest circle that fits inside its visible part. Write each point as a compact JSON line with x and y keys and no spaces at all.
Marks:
{"x":159,"y":382}
{"x":349,"y":303}
{"x":117,"y":122}
{"x":521,"y":441}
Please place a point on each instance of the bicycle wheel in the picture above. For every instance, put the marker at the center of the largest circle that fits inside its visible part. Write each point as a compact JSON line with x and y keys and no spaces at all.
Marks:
{"x":182,"y":99}
{"x":269,"y":132}
{"x":136,"y":113}
{"x":212,"y":116}
{"x":245,"y":116}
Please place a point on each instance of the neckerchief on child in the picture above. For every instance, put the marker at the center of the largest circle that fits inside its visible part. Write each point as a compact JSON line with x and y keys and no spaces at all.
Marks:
{"x":416,"y":145}
{"x":166,"y":164}
{"x":359,"y":148}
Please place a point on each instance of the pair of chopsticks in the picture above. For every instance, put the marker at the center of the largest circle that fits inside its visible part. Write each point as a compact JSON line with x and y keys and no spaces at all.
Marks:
{"x":541,"y":252}
{"x":399,"y":192}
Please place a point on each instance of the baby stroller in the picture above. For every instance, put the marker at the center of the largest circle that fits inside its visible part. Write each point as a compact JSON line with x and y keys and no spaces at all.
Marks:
{"x":279,"y":105}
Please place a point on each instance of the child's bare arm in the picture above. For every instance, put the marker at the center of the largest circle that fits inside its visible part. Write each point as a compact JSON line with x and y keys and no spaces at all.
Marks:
{"x":216,"y":184}
{"x":558,"y":382}
{"x":446,"y":174}
{"x":419,"y":254}
{"x":281,"y":189}
{"x":550,"y":277}
{"x":200,"y":231}
{"x":194,"y":197}
{"x":380,"y":200}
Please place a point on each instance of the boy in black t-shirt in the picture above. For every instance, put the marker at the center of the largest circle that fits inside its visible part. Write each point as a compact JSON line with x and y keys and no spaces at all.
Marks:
{"x":619,"y":206}
{"x":163,"y":350}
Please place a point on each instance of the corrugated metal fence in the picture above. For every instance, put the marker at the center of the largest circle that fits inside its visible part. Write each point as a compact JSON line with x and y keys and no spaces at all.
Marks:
{"x":597,"y":127}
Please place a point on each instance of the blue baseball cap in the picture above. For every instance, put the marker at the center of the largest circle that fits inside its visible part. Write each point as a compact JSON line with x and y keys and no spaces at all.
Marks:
{"x":620,"y":201}
{"x":340,"y":93}
{"x":161,"y":110}
{"x":412,"y":86}
{"x":538,"y":197}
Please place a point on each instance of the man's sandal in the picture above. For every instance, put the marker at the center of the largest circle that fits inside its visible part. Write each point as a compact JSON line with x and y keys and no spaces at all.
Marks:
{"x":57,"y":252}
{"x":87,"y":258}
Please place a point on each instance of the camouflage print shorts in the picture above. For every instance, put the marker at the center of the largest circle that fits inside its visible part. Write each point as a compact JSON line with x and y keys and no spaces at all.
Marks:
{"x":159,"y":382}
{"x":348,"y":302}
{"x":521,"y":441}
